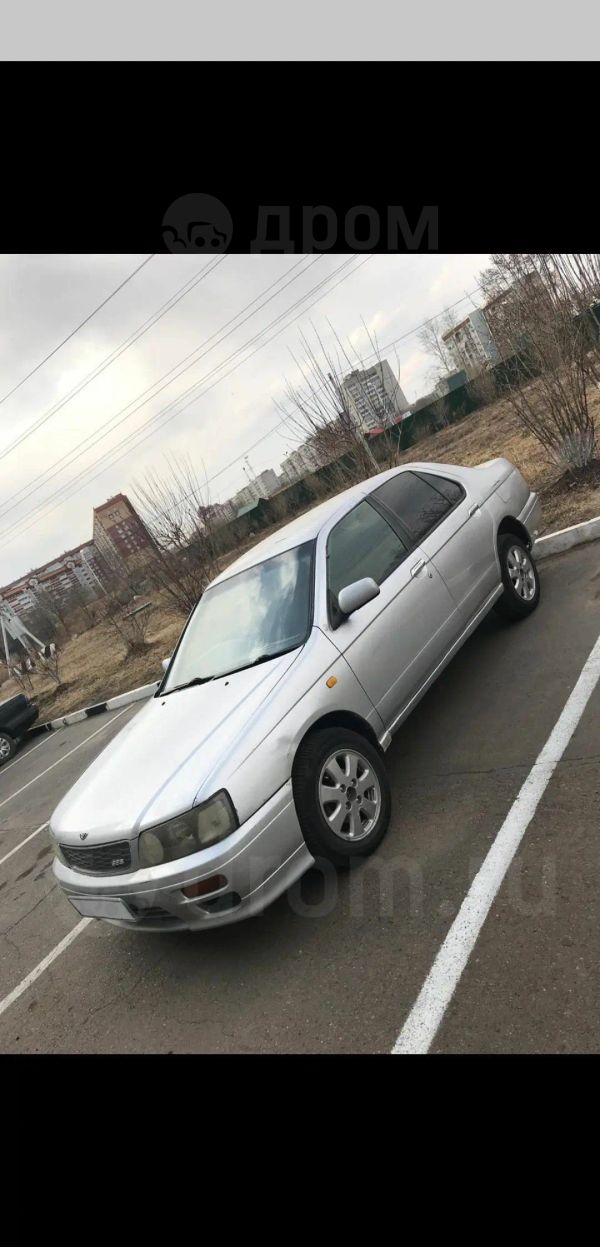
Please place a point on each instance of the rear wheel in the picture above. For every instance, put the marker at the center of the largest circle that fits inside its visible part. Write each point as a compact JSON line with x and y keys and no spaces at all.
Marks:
{"x":8,"y":745}
{"x":519,"y":577}
{"x":342,"y":795}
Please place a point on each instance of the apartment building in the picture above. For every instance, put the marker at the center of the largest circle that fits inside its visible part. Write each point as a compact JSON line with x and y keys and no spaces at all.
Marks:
{"x":374,"y":397}
{"x":120,"y":539}
{"x":80,"y":569}
{"x":119,"y":534}
{"x":470,"y":344}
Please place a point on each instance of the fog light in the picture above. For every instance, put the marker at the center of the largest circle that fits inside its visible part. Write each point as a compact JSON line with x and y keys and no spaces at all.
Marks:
{"x":205,"y":886}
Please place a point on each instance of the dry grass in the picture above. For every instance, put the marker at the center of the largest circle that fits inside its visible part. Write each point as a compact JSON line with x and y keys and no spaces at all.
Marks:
{"x":493,"y":431}
{"x":94,"y":665}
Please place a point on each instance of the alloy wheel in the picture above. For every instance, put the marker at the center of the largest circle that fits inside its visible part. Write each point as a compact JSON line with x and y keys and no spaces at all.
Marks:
{"x":349,"y":795}
{"x":521,"y":573}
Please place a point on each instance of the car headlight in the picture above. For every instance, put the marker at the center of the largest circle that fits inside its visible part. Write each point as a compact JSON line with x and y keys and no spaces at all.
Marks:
{"x":189,"y":833}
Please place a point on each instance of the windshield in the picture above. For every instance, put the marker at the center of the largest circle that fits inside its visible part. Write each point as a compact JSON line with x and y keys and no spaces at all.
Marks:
{"x":255,"y":615}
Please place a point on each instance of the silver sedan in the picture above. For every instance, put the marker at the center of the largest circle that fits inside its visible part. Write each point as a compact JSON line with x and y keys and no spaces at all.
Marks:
{"x":263,"y":748}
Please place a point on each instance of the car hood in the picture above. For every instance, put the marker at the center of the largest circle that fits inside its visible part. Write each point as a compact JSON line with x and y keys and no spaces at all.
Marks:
{"x":162,"y":761}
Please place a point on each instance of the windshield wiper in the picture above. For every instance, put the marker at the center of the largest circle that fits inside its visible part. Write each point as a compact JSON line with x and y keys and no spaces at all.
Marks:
{"x":198,"y":679}
{"x":205,"y":679}
{"x":256,"y":661}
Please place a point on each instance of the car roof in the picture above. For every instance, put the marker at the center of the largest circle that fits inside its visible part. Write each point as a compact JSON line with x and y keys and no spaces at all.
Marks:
{"x":307,"y":526}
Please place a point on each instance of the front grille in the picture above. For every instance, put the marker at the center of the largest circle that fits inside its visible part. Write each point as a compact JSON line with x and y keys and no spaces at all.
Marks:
{"x":100,"y":858}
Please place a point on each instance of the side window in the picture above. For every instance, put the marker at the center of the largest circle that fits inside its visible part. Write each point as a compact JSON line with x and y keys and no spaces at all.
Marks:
{"x":418,"y":500}
{"x":449,"y":489}
{"x":362,"y":544}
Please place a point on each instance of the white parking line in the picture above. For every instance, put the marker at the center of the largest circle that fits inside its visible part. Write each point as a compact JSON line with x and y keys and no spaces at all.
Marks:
{"x":43,"y":965}
{"x":63,"y":758}
{"x":22,"y":756}
{"x":23,"y":842}
{"x":424,"y":1019}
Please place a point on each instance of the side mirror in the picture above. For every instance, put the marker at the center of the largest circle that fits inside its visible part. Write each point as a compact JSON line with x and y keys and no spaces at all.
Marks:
{"x":165,"y":662}
{"x":358,"y":594}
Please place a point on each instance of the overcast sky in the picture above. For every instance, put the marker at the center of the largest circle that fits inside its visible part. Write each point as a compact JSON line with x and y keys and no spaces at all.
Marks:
{"x":43,"y":299}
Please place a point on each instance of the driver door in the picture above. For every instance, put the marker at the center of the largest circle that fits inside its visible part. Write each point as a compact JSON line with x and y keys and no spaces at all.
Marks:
{"x":394,"y":641}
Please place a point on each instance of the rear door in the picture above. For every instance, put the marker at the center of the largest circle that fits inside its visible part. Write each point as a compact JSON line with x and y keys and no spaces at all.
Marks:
{"x":393,"y":642}
{"x":452,"y":529}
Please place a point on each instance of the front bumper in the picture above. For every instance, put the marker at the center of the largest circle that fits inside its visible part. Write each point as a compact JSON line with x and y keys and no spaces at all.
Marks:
{"x":259,"y":861}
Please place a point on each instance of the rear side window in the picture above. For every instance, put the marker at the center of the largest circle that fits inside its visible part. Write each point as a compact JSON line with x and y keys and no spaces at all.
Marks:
{"x":362,"y":544}
{"x":449,"y":489}
{"x":418,"y":500}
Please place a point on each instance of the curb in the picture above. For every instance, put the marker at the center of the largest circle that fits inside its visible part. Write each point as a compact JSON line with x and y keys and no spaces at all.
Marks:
{"x":553,"y":543}
{"x":88,"y":712}
{"x":566,"y":538}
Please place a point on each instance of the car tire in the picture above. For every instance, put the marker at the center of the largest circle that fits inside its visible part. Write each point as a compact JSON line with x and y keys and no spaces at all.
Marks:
{"x":520,"y":579}
{"x":351,"y":820}
{"x":8,"y":745}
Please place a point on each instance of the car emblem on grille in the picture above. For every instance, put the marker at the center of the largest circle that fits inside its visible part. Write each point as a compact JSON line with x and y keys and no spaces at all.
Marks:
{"x":83,"y":835}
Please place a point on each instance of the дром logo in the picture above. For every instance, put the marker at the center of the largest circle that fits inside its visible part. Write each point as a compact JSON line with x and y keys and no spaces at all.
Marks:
{"x":197,"y":223}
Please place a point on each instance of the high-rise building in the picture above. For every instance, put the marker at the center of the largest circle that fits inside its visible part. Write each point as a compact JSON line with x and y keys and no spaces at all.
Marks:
{"x":119,"y":534}
{"x":374,"y":397}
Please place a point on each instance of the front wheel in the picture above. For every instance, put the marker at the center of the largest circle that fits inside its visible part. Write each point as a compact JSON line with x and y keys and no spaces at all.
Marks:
{"x":342,"y":795}
{"x":519,"y":577}
{"x":8,"y":745}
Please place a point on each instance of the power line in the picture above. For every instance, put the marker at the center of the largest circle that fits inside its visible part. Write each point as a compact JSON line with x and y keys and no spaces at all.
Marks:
{"x":406,"y":334}
{"x":232,"y":462}
{"x":190,"y":391}
{"x":373,"y":354}
{"x":138,"y":333}
{"x":85,"y":472}
{"x":429,"y":321}
{"x":76,"y":330}
{"x":139,"y":401}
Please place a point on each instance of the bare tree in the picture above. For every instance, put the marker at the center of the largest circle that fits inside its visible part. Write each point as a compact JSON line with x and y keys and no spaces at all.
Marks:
{"x":178,"y":516}
{"x":130,"y":625}
{"x":48,"y":610}
{"x":50,"y":661}
{"x":136,"y":623}
{"x":574,"y":277}
{"x":536,"y":317}
{"x":82,"y":606}
{"x":320,"y":413}
{"x":431,"y":339}
{"x":492,"y":282}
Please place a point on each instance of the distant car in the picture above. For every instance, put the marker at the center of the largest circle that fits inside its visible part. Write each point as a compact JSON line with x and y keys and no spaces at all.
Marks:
{"x":16,"y":716}
{"x":263,"y":748}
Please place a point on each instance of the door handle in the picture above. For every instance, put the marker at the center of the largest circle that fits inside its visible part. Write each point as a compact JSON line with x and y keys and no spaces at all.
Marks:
{"x":418,"y":567}
{"x":474,"y":509}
